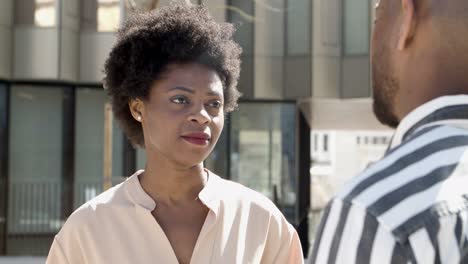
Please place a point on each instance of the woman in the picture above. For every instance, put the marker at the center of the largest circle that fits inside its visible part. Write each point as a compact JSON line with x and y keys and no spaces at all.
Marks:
{"x":172,"y":77}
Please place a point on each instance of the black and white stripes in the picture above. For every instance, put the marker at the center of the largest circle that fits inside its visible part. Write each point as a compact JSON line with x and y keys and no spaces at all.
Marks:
{"x":410,"y":207}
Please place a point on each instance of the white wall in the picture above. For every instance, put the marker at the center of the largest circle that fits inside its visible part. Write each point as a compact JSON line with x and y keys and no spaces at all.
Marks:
{"x":345,"y":158}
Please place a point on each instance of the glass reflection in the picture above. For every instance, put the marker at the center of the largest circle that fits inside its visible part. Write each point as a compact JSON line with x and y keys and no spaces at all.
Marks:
{"x":44,"y":13}
{"x":263,"y":150}
{"x":34,"y":168}
{"x":89,"y":145}
{"x":108,"y":15}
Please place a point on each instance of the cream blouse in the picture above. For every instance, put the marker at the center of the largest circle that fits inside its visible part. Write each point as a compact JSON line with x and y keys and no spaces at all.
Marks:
{"x":117,"y":226}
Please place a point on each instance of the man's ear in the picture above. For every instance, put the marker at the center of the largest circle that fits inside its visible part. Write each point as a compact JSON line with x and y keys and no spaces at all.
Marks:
{"x":136,"y":107}
{"x":407,"y":24}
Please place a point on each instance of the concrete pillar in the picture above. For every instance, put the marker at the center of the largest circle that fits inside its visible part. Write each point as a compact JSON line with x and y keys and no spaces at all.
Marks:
{"x":269,"y":49}
{"x":6,"y":35}
{"x":69,"y":32}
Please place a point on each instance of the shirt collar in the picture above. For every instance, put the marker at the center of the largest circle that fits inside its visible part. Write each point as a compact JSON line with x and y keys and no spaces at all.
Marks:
{"x":136,"y":193}
{"x":442,"y":110}
{"x":208,"y":195}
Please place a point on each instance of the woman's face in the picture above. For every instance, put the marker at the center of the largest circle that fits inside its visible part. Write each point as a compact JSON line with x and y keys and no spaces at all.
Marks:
{"x":183,"y":116}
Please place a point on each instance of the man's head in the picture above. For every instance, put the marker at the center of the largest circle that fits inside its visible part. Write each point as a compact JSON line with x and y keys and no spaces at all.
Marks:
{"x":419,"y":52}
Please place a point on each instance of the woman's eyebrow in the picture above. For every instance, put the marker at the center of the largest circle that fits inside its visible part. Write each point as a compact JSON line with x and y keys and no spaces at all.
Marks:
{"x":191,"y":91}
{"x":181,"y":88}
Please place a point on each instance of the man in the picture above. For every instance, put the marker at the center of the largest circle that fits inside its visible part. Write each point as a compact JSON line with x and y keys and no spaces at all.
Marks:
{"x":411,"y":206}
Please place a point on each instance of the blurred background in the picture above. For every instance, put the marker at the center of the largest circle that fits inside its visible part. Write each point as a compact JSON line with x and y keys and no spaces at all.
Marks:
{"x":304,"y":125}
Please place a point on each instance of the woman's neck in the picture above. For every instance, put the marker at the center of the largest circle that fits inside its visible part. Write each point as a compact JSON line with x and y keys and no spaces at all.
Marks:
{"x":170,"y":184}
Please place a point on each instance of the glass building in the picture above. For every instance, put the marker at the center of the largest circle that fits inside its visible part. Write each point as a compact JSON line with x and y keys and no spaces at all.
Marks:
{"x":303,"y":63}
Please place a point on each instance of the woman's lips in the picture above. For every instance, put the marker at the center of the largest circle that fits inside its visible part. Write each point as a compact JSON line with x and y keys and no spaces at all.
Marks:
{"x":200,"y":139}
{"x":197,"y":141}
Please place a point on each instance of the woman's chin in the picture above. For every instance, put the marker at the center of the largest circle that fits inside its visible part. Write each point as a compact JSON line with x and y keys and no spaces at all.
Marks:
{"x":191,"y":163}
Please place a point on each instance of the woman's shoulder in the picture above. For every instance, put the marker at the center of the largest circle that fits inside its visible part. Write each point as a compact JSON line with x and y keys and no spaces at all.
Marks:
{"x":113,"y":196}
{"x":98,"y":207}
{"x":255,"y":205}
{"x":236,"y":193}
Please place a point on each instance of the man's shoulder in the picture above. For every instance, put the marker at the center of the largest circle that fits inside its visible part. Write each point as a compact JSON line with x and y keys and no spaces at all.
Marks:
{"x":421,"y":153}
{"x":416,"y":181}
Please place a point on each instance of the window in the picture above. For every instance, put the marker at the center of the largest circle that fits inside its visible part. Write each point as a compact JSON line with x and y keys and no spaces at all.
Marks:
{"x":349,"y":153}
{"x":44,"y":14}
{"x":325,"y":143}
{"x":262,"y":152}
{"x":298,"y":27}
{"x":40,"y":13}
{"x":89,"y":145}
{"x":218,"y":160}
{"x":35,"y":168}
{"x":140,"y":158}
{"x":241,"y":14}
{"x":108,"y":15}
{"x":356,"y":27}
{"x":315,"y":142}
{"x":100,"y":15}
{"x":3,"y":157}
{"x":385,"y":140}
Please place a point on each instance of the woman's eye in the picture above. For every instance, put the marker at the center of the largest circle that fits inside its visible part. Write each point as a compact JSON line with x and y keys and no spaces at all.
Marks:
{"x":180,"y":100}
{"x":216,"y":104}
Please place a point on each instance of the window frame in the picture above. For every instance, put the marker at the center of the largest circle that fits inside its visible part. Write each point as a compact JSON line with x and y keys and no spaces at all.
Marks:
{"x":4,"y":129}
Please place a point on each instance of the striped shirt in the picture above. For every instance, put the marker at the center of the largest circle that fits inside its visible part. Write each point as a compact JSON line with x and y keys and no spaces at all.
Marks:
{"x":412,"y":205}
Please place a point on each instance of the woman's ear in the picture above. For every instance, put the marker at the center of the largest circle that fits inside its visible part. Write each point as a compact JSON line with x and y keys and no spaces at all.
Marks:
{"x":136,"y":107}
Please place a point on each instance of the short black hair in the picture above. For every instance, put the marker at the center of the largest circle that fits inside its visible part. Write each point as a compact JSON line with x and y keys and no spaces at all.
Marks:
{"x":149,"y":42}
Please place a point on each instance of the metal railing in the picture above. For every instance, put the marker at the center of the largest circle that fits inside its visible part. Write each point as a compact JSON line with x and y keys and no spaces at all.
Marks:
{"x":34,"y":213}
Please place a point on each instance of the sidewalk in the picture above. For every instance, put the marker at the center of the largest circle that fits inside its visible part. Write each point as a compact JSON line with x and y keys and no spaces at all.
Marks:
{"x":22,"y":260}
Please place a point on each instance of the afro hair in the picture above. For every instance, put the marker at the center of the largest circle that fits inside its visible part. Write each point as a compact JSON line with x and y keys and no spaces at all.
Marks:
{"x":149,"y":42}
